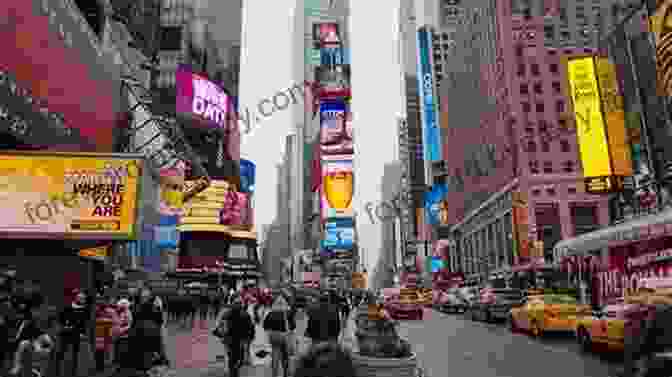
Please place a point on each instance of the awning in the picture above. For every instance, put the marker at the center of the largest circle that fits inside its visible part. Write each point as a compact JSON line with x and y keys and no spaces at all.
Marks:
{"x":600,"y":239}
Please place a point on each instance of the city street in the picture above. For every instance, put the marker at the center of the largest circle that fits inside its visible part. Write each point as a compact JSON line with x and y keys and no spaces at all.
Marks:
{"x":450,"y":345}
{"x":447,"y":345}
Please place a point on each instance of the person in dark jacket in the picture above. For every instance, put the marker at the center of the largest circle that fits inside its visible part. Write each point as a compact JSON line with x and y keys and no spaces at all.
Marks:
{"x":324,"y":324}
{"x":240,"y":329}
{"x":655,"y":338}
{"x":326,"y":360}
{"x":279,"y":323}
{"x":74,"y":320}
{"x":144,"y":346}
{"x":150,"y":309}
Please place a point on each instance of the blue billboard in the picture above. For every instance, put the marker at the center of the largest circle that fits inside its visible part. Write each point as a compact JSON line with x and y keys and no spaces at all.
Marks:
{"x":433,"y":204}
{"x":166,"y":234}
{"x":430,"y":127}
{"x":248,"y":171}
{"x":334,"y":55}
{"x":339,"y":234}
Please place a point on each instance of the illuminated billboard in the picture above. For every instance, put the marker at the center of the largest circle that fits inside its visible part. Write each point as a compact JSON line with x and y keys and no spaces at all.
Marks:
{"x":339,"y":234}
{"x":69,"y":195}
{"x":337,"y":188}
{"x":614,"y":116}
{"x":333,"y":81}
{"x":335,"y":129}
{"x":327,"y":33}
{"x":200,"y":98}
{"x":596,"y":159}
{"x":430,"y":128}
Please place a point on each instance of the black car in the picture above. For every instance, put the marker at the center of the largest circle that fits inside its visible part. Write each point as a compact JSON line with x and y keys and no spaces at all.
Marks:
{"x":495,"y":303}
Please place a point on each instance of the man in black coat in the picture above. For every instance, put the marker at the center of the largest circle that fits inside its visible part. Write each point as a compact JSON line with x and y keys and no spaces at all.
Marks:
{"x":324,"y":324}
{"x":240,"y":329}
{"x":74,"y":320}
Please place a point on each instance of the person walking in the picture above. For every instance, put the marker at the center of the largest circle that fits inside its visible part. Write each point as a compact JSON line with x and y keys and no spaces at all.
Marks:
{"x":234,"y":327}
{"x":108,"y":326}
{"x":324,"y":324}
{"x":74,"y":321}
{"x":280,"y":325}
{"x":125,"y":321}
{"x":33,"y":342}
{"x":150,"y":310}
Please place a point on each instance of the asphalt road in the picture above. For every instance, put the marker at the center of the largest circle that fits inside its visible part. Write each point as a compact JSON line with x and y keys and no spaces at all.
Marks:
{"x":447,"y":346}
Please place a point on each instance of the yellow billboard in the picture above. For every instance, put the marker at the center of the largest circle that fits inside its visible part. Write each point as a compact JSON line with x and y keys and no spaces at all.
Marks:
{"x":69,"y":195}
{"x":593,"y":144}
{"x":614,"y":114}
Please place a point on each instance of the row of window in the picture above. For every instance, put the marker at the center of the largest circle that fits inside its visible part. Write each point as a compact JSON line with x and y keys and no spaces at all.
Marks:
{"x":535,"y":70}
{"x":540,"y":107}
{"x":568,"y":166}
{"x":550,"y":191}
{"x":531,"y":146}
{"x":544,"y":127}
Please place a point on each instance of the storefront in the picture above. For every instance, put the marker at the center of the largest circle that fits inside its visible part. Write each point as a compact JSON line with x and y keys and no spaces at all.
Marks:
{"x":612,"y":261}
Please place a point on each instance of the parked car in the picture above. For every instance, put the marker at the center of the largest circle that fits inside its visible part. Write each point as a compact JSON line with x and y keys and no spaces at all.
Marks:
{"x":453,"y":303}
{"x":546,"y":313}
{"x":426,"y":296}
{"x":607,"y":327}
{"x":495,"y":303}
{"x":405,"y":305}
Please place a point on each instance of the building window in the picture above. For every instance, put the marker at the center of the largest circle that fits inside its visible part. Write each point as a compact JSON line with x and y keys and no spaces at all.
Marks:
{"x":519,"y":51}
{"x":538,"y":88}
{"x":535,"y":69}
{"x":564,"y":146}
{"x":536,"y":192}
{"x":584,"y":218}
{"x":581,"y":16}
{"x":560,"y":106}
{"x":534,"y":167}
{"x":568,"y":166}
{"x":562,"y":123}
{"x":543,"y":126}
{"x":521,"y":69}
{"x":171,"y":38}
{"x":562,"y":13}
{"x":526,"y":107}
{"x":549,"y":32}
{"x":548,"y":167}
{"x":554,"y":68}
{"x":557,"y":89}
{"x":524,"y":89}
{"x":545,"y":147}
{"x":550,"y":191}
{"x":539,"y":107}
{"x":571,"y":190}
{"x":531,"y":147}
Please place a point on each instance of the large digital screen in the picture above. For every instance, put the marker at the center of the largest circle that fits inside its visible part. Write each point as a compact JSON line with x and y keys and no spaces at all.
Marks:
{"x":327,"y":33}
{"x":200,"y":98}
{"x":335,"y":128}
{"x":248,"y":172}
{"x":339,"y":234}
{"x":436,"y":207}
{"x":337,"y":188}
{"x":72,"y":195}
{"x":593,"y":144}
{"x":430,"y":127}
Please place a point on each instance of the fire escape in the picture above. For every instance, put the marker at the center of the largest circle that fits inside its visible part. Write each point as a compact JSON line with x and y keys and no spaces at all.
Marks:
{"x":161,"y":140}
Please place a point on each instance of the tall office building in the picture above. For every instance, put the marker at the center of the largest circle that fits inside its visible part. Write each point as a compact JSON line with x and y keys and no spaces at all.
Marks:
{"x":509,"y":128}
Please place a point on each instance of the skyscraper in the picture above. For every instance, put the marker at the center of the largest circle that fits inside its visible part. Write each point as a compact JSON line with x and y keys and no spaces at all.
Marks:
{"x":509,"y":132}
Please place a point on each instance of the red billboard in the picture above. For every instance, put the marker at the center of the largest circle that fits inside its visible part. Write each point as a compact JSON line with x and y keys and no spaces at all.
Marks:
{"x":52,"y":54}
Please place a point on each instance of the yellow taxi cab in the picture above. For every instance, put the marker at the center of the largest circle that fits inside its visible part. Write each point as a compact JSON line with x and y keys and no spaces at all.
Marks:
{"x":426,"y":296}
{"x":546,"y":313}
{"x":609,"y":326}
{"x":406,"y":305}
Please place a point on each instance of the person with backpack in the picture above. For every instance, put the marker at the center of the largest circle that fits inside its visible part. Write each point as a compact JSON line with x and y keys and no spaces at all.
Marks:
{"x":234,"y":327}
{"x":280,"y":325}
{"x":324,"y":322}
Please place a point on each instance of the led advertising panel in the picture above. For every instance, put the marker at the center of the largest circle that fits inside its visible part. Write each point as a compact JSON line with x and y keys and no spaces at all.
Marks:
{"x":334,"y":82}
{"x":326,"y":34}
{"x":199,"y":98}
{"x":593,"y":144}
{"x":436,"y":207}
{"x":337,"y":188}
{"x":430,"y":127}
{"x":437,"y":264}
{"x":70,"y":195}
{"x":333,"y":56}
{"x":614,"y":116}
{"x":339,"y":234}
{"x":335,"y":130}
{"x":248,"y":172}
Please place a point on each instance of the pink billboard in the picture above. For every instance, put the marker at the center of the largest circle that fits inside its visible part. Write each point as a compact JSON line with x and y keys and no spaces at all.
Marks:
{"x":236,"y":210}
{"x":200,"y":98}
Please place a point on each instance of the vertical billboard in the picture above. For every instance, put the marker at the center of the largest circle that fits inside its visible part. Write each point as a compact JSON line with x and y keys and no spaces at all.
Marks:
{"x":521,"y":225}
{"x":247,"y":176}
{"x":436,"y":205}
{"x":430,"y":129}
{"x":337,"y":188}
{"x":333,"y":81}
{"x":596,"y":159}
{"x":339,"y":234}
{"x":614,"y":117}
{"x":335,"y":135}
